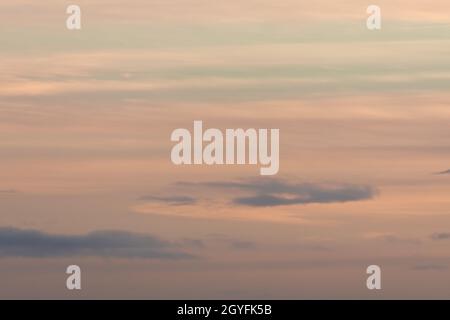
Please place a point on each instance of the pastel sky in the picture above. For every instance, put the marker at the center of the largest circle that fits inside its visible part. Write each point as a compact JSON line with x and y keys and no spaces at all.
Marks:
{"x":85,"y":170}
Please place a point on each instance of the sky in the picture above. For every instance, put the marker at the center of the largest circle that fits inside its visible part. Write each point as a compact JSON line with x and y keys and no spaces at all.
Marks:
{"x":86,"y":176}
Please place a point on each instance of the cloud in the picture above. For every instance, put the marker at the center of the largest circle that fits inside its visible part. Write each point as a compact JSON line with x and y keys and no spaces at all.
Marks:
{"x":392,"y":238}
{"x":8,"y":191}
{"x":444,"y":172}
{"x":108,"y":243}
{"x":194,"y":243}
{"x":242,"y":245}
{"x":432,"y":267}
{"x":441,"y":236}
{"x":276,"y":192}
{"x":231,"y":242}
{"x":175,"y":200}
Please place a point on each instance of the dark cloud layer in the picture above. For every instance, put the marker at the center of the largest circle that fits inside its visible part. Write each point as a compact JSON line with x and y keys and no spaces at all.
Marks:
{"x":31,"y":243}
{"x":276,"y":192}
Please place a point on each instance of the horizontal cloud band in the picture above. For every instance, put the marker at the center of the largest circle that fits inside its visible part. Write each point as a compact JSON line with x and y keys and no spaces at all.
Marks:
{"x":277,"y":192}
{"x":30,"y":243}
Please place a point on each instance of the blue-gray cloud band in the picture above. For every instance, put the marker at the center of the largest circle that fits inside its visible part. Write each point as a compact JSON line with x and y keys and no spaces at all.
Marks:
{"x":31,"y":243}
{"x":276,"y":192}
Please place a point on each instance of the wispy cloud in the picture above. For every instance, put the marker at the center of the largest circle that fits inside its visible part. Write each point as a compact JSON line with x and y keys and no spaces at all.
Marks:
{"x":233,"y":243}
{"x":8,"y":191}
{"x":237,"y":244}
{"x":430,"y":267}
{"x":173,"y":200}
{"x":392,"y":238}
{"x":109,"y":243}
{"x":277,"y":192}
{"x":444,"y":172}
{"x":441,"y":236}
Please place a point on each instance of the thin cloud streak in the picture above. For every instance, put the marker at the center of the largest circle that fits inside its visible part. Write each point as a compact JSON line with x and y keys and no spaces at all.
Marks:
{"x":443,"y":172}
{"x":173,"y":200}
{"x":441,"y":236}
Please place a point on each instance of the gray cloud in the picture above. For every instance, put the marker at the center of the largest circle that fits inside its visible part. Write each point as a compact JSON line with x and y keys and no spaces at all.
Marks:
{"x":393,"y":239}
{"x":441,"y":236}
{"x":430,"y":267}
{"x":175,"y":200}
{"x":444,"y":172}
{"x":243,"y":245}
{"x":109,"y":243}
{"x":276,"y":192}
{"x":194,"y":243}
